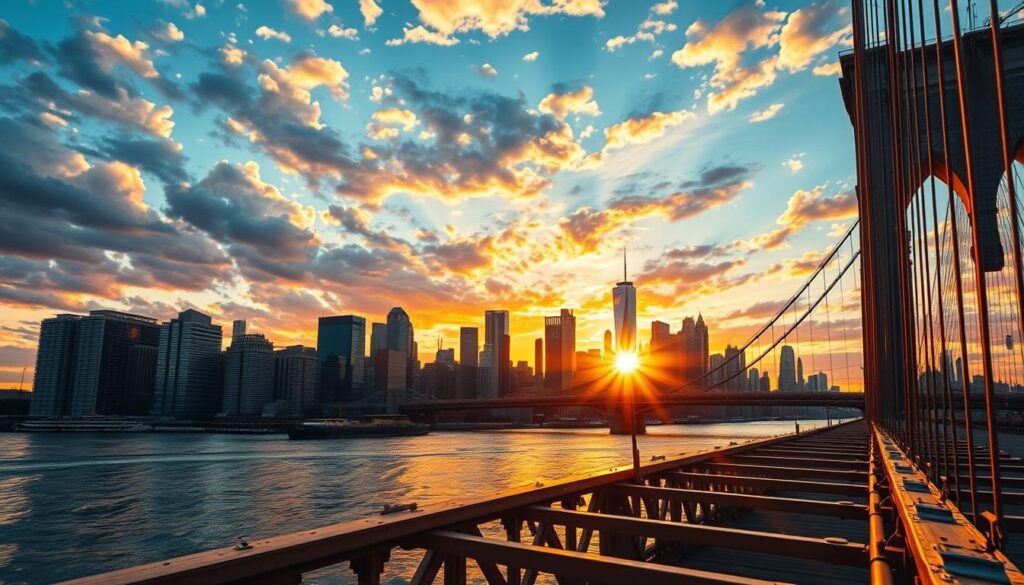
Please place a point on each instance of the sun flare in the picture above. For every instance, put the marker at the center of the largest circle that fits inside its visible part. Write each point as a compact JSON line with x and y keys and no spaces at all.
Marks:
{"x":626,"y":362}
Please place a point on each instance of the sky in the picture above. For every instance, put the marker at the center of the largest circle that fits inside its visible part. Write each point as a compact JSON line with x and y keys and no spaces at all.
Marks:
{"x":277,"y":161}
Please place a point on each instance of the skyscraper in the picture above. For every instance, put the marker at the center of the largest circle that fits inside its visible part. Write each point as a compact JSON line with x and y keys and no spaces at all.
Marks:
{"x":735,"y":362}
{"x":469,"y":346}
{"x":560,"y":350}
{"x":103,"y":360}
{"x":787,"y":369}
{"x":497,"y":334}
{"x":341,"y":346}
{"x":296,"y":379}
{"x":238,"y":328}
{"x":799,"y":374}
{"x":55,"y":361}
{"x":694,"y":346}
{"x":538,"y":361}
{"x":378,"y":337}
{"x":609,"y":348}
{"x":248,"y":375}
{"x":402,"y":337}
{"x":624,"y":308}
{"x":188,"y":378}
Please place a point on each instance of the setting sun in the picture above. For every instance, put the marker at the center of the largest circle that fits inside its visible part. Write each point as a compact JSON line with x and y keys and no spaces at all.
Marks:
{"x":626,"y":362}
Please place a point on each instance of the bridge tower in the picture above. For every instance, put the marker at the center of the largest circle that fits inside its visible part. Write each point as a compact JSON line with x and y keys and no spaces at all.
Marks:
{"x":885,"y":160}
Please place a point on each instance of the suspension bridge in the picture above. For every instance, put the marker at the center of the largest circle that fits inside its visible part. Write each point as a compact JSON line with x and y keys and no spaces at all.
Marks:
{"x":916,"y":312}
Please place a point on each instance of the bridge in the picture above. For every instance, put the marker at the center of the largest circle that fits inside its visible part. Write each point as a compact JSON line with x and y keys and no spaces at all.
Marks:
{"x":918,"y":307}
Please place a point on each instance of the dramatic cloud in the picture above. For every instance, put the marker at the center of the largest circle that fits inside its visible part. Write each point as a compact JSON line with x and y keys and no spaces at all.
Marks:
{"x":647,"y":31}
{"x":370,"y":11}
{"x":811,"y":31}
{"x":310,"y":9}
{"x":579,"y":102}
{"x":343,"y":33}
{"x":15,"y":46}
{"x":803,"y":208}
{"x":801,"y":38}
{"x":766,"y":114}
{"x":169,"y":33}
{"x":588,"y":229}
{"x":442,"y":19}
{"x":93,"y":234}
{"x":643,"y":129}
{"x":266,"y":33}
{"x":267,"y":234}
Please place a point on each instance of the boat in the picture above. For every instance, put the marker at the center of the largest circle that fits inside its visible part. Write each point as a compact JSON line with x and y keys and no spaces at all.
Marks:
{"x":372,"y":426}
{"x":83,"y":426}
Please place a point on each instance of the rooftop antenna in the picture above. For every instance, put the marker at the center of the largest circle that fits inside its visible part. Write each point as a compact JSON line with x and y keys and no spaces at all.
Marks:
{"x":624,"y":277}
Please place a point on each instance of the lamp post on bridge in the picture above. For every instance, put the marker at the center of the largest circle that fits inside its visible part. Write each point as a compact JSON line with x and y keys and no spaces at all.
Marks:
{"x":625,"y":364}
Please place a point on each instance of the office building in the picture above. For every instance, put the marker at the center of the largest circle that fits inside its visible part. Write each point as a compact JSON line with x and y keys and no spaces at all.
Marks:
{"x":787,"y":369}
{"x":55,"y":361}
{"x":560,"y":351}
{"x":538,"y":361}
{"x":103,"y":359}
{"x":188,"y":376}
{"x":497,"y":335}
{"x":609,"y":347}
{"x":238,"y":328}
{"x":800,"y":374}
{"x":297,"y":380}
{"x":402,"y":337}
{"x":248,"y":376}
{"x":341,"y":346}
{"x":469,"y":346}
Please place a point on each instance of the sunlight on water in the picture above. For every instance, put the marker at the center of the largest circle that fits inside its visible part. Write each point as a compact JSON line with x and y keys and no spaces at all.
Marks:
{"x":76,"y":504}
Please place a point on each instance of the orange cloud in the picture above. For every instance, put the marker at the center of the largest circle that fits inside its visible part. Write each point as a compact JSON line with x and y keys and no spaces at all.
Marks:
{"x":310,"y":9}
{"x":441,"y":19}
{"x":643,"y":129}
{"x":805,"y":207}
{"x":561,"y":105}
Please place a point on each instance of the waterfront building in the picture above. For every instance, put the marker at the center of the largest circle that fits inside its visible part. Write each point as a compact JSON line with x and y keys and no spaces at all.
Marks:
{"x":693,"y":342}
{"x":523,"y":376}
{"x":753,"y":380}
{"x":487,"y":373}
{"x":248,"y":375}
{"x":766,"y":382}
{"x":341,"y":347}
{"x":402,"y":337}
{"x":735,"y":362}
{"x":469,"y":346}
{"x":560,"y":351}
{"x":497,"y":334}
{"x":391,"y":370}
{"x":238,"y":327}
{"x":717,"y":371}
{"x":188,"y":376}
{"x":55,"y":361}
{"x":538,"y":361}
{"x":103,"y":359}
{"x":297,"y":379}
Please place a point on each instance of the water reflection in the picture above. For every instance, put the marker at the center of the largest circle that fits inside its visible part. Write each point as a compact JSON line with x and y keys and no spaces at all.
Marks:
{"x":77,"y":504}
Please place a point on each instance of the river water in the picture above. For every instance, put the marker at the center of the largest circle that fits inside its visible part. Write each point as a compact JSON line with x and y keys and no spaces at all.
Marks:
{"x":74,"y":504}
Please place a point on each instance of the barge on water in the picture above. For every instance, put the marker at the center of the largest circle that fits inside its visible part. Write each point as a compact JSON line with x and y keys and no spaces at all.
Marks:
{"x":371,"y":426}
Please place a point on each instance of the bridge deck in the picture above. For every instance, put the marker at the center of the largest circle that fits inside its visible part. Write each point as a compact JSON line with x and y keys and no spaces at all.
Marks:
{"x":791,"y":509}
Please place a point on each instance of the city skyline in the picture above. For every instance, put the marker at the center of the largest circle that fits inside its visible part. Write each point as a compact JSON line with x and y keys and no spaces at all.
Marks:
{"x":177,"y":191}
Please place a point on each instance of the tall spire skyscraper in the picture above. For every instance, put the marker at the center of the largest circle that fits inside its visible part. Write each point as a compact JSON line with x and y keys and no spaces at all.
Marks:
{"x":624,"y":306}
